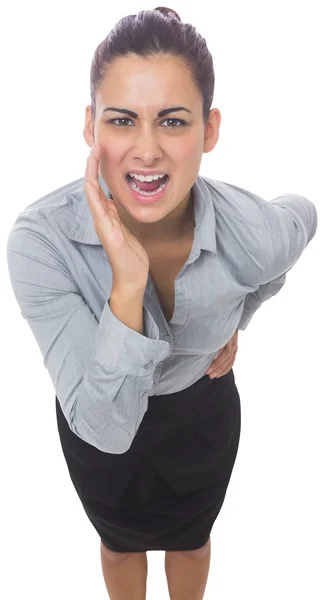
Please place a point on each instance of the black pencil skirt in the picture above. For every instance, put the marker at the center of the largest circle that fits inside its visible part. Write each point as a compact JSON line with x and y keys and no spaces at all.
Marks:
{"x":166,"y":491}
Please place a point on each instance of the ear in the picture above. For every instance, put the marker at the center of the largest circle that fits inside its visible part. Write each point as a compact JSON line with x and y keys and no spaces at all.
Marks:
{"x":88,"y":131}
{"x":212,"y":130}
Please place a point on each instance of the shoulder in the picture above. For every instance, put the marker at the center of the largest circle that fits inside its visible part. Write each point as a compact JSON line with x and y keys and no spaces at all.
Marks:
{"x":236,"y":202}
{"x":43,"y":217}
{"x":268,"y":236}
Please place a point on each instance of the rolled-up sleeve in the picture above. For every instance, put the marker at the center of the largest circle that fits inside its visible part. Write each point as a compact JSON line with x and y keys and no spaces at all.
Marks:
{"x":291,"y":223}
{"x":102,"y":372}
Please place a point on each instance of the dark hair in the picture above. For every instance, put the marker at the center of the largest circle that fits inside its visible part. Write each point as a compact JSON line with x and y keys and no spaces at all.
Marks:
{"x":156,"y":32}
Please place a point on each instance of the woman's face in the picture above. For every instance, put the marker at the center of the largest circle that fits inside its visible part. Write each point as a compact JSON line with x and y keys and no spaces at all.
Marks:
{"x":149,"y":142}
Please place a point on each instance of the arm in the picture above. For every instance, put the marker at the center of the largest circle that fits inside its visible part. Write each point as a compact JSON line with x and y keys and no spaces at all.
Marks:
{"x":128,"y":308}
{"x":291,"y":223}
{"x":102,"y":372}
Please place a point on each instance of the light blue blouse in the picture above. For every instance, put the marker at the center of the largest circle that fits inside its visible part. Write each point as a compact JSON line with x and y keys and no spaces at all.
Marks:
{"x":103,"y":372}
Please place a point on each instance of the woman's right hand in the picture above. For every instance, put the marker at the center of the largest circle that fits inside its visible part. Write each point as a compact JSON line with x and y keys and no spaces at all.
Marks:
{"x":128,"y":259}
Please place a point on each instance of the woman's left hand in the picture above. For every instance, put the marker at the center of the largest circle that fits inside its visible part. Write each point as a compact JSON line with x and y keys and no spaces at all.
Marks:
{"x":225,"y":360}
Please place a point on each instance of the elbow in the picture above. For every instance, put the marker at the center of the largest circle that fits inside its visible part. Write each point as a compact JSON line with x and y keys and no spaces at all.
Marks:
{"x":119,"y":445}
{"x":110,"y":439}
{"x":114,"y":442}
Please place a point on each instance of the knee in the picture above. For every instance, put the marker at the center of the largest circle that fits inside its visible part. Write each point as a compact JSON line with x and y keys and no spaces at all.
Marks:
{"x":112,"y":557}
{"x":198,"y":552}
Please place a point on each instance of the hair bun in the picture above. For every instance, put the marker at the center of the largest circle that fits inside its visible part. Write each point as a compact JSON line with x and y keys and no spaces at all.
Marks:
{"x":168,"y":12}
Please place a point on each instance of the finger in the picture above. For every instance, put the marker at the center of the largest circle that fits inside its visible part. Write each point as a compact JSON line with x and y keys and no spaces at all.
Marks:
{"x":92,"y":171}
{"x":96,"y":197}
{"x":92,"y":166}
{"x":222,"y":357}
{"x":95,"y":204}
{"x":215,"y":368}
{"x":220,"y":372}
{"x":218,"y":366}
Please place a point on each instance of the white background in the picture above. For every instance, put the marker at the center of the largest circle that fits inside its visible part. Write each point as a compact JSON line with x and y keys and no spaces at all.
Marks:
{"x":268,"y":539}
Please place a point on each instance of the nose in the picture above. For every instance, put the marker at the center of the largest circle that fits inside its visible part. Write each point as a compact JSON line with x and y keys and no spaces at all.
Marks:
{"x":146,"y":146}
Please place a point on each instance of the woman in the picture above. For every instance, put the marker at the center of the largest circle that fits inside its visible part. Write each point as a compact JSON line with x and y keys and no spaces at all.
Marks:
{"x":133,"y":280}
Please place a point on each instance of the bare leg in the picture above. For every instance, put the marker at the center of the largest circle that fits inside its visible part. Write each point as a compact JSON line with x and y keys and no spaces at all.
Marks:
{"x":187,"y":572}
{"x":125,"y":574}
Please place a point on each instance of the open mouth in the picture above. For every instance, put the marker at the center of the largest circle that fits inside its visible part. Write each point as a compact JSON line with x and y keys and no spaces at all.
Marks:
{"x":147,"y":187}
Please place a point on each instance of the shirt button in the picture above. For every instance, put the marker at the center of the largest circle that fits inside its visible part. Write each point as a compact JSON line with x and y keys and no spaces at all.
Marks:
{"x":149,"y":365}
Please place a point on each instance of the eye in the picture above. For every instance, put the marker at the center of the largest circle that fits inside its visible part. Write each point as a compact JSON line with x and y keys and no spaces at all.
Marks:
{"x":121,"y":119}
{"x":180,"y":121}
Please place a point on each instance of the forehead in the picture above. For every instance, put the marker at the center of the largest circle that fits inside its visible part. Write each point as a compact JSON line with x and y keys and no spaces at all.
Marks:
{"x":142,"y":81}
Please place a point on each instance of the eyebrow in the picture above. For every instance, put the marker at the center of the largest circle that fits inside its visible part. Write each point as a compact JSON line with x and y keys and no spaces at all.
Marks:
{"x":133,"y":114}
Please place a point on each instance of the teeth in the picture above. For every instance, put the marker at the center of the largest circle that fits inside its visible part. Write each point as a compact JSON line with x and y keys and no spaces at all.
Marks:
{"x":137,"y":189}
{"x":147,"y":177}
